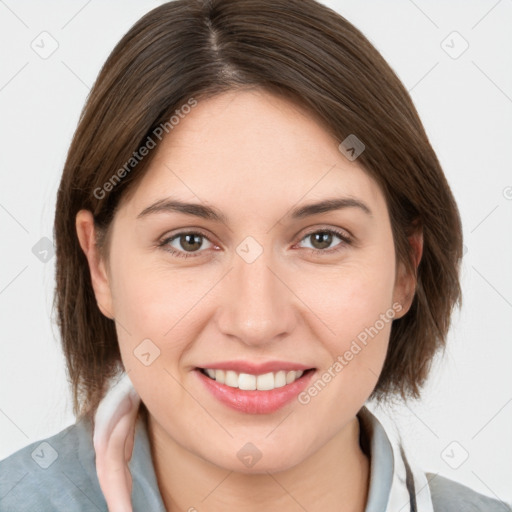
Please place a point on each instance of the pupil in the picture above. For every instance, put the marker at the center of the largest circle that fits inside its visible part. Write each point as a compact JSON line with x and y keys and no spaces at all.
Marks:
{"x":195,"y":242}
{"x":324,"y":240}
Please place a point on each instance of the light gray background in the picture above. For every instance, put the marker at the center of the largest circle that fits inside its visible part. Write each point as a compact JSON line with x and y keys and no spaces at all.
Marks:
{"x":466,"y":106}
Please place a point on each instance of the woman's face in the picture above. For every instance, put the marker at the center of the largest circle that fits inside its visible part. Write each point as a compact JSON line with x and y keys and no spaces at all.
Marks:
{"x":262,"y":288}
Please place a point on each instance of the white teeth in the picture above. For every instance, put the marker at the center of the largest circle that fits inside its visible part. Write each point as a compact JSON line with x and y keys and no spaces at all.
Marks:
{"x":265,"y":381}
{"x":246,"y":381}
{"x":231,"y":379}
{"x":220,"y":376}
{"x":290,"y":377}
{"x":280,"y":379}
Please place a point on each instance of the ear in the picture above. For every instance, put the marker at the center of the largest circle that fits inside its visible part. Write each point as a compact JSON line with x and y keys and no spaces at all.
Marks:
{"x":405,"y":282}
{"x":86,"y":233}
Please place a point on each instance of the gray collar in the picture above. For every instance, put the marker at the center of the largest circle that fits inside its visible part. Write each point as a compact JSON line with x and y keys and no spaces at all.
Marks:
{"x":377,"y":447}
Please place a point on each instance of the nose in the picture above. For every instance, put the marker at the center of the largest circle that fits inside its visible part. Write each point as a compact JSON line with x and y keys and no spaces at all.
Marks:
{"x":259,"y":306}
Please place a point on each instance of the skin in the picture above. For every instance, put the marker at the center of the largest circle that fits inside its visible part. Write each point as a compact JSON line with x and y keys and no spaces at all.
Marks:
{"x":254,"y":156}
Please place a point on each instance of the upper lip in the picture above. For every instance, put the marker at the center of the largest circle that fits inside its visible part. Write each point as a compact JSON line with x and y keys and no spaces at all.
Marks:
{"x":255,"y":368}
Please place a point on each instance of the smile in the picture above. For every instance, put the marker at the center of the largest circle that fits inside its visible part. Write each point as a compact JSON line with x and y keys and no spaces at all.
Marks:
{"x":247,"y":381}
{"x":255,"y":393}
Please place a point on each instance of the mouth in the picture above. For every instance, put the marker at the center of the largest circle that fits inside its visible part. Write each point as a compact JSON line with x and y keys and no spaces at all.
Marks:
{"x":250,"y":382}
{"x":258,"y":392}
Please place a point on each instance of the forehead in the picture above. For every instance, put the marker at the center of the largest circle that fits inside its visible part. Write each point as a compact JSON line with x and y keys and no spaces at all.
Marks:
{"x":251,"y":148}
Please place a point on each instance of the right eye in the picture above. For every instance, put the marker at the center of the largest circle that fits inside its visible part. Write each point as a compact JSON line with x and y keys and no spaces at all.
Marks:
{"x":186,"y":243}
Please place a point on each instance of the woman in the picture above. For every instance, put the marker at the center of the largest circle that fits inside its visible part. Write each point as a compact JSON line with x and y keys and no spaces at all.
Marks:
{"x":254,"y":237}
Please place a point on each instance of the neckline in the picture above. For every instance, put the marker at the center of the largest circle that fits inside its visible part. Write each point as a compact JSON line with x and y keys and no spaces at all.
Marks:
{"x":373,"y":440}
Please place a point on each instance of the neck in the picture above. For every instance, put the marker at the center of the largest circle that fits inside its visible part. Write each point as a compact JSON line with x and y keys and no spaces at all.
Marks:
{"x":335,"y":478}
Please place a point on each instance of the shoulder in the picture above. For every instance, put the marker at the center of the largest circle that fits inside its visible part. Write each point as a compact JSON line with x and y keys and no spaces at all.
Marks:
{"x":57,"y":473}
{"x":450,"y":496}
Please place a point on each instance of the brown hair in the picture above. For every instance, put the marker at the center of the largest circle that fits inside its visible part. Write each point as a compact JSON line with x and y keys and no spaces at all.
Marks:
{"x":298,"y":48}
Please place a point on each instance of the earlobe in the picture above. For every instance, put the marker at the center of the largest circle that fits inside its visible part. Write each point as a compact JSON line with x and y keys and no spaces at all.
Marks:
{"x":86,"y":233}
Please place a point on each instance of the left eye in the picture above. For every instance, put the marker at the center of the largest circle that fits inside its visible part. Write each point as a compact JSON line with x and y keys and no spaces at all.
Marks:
{"x":322,"y":240}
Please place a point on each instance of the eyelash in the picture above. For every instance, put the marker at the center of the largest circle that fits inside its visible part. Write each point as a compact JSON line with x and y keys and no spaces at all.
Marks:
{"x":345,"y":240}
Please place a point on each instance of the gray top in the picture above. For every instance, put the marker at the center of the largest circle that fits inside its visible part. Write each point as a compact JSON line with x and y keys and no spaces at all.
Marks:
{"x":59,"y":474}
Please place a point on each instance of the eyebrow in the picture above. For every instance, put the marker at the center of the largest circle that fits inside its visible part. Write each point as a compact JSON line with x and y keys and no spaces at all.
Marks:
{"x":206,"y":212}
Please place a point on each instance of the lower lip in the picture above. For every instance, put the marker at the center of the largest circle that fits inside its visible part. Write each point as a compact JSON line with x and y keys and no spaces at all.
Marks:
{"x":253,"y":401}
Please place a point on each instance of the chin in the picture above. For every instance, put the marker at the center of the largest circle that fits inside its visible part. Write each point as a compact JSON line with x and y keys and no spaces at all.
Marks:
{"x":249,"y":459}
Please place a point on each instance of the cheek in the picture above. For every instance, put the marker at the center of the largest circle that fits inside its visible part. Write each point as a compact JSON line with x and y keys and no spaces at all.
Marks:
{"x":156,"y":310}
{"x":152,"y":299}
{"x":351,"y":297}
{"x":355,"y":306}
